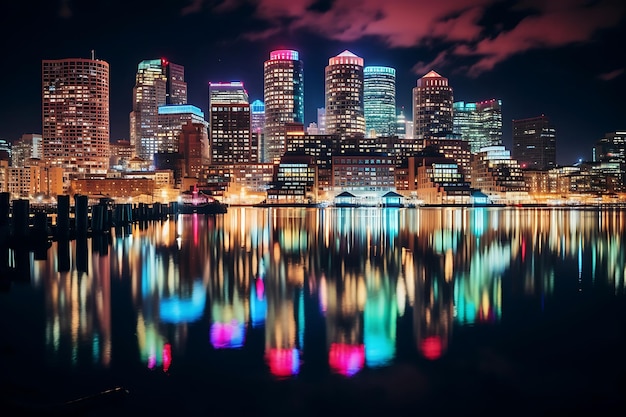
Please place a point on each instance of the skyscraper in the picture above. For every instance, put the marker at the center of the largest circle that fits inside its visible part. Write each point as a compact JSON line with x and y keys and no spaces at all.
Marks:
{"x":479,"y":123}
{"x":75,"y":110}
{"x":157,"y":83}
{"x":534,"y":143}
{"x":230,"y":138}
{"x":171,"y":119}
{"x":283,"y":92}
{"x":344,"y":95}
{"x":26,"y":147}
{"x":432,"y":107}
{"x":379,"y":101}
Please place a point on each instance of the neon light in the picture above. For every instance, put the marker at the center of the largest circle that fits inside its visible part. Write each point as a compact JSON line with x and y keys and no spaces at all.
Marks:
{"x":346,"y":359}
{"x":286,"y":54}
{"x":180,"y":109}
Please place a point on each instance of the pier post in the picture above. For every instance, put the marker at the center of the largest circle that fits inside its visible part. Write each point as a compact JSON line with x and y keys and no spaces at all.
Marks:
{"x":63,"y":217}
{"x":21,"y":220}
{"x":81,"y":214}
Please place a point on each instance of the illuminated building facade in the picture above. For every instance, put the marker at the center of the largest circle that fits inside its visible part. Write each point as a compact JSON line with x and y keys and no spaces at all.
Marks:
{"x":344,"y":95}
{"x":612,"y":147}
{"x":498,"y":175}
{"x":295,"y":180}
{"x":479,"y":123}
{"x":257,"y":128}
{"x":171,"y":119}
{"x":194,"y":146}
{"x":379,"y":100}
{"x":75,"y":110}
{"x":456,"y":149}
{"x":432,"y":107}
{"x":283,"y":92}
{"x":321,"y":148}
{"x":121,"y":151}
{"x":230,"y":124}
{"x":363,"y":173}
{"x":26,"y":147}
{"x":534,"y":143}
{"x":158,"y":82}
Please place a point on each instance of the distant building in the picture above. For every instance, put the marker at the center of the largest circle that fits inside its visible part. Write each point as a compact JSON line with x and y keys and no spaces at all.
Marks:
{"x":344,"y":95}
{"x":456,"y":149}
{"x":534,"y":143}
{"x":379,"y":100}
{"x":6,"y":151}
{"x":363,"y":173}
{"x":75,"y":110}
{"x":257,"y":129}
{"x":321,"y":121}
{"x":158,"y":83}
{"x":283,"y":95}
{"x":479,"y":124}
{"x":26,"y":147}
{"x":121,"y":152}
{"x":194,"y":146}
{"x":230,"y":122}
{"x":432,"y":107}
{"x":295,"y":180}
{"x":612,"y":147}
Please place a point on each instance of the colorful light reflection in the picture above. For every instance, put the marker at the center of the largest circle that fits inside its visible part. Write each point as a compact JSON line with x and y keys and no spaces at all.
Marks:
{"x":227,"y":335}
{"x":346,"y":359}
{"x":431,"y":347}
{"x":283,"y":362}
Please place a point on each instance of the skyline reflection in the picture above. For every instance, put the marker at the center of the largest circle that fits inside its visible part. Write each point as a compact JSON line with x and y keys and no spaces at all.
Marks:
{"x":345,"y":277}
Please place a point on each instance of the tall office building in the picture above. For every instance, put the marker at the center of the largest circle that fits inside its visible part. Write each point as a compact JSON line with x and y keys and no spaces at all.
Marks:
{"x":611,"y":148}
{"x":379,"y":101}
{"x":158,"y":82}
{"x":230,"y":138}
{"x":344,"y":95}
{"x":432,"y":107}
{"x":75,"y":110}
{"x":479,"y":123}
{"x":534,"y":143}
{"x":283,"y":92}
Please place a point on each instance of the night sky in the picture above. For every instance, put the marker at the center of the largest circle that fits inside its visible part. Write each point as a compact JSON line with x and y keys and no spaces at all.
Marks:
{"x":561,"y":58}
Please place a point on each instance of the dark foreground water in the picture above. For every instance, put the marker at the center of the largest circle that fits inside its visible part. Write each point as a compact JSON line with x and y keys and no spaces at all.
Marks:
{"x":312,"y":312}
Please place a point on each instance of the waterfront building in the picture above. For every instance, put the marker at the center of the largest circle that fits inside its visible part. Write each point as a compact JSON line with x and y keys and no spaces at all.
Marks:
{"x":366,"y":175}
{"x":75,"y":112}
{"x":498,"y":175}
{"x":158,"y":82}
{"x":612,"y":147}
{"x":321,"y":148}
{"x":170,"y":121}
{"x":250,"y":182}
{"x":534,"y":143}
{"x":230,"y":124}
{"x":432,"y":107}
{"x":294,"y":181}
{"x":479,"y":124}
{"x":344,"y":95}
{"x":26,"y":147}
{"x":436,"y":178}
{"x":283,"y":94}
{"x":379,"y":100}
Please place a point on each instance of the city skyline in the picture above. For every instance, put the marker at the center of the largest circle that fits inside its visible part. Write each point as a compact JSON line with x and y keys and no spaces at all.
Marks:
{"x":572,"y":76}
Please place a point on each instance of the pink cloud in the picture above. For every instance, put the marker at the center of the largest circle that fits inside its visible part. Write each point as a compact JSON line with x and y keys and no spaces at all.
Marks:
{"x":456,"y":25}
{"x":608,"y":76}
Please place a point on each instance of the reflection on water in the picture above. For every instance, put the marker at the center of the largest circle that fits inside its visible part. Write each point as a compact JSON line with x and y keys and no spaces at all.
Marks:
{"x":332,"y":283}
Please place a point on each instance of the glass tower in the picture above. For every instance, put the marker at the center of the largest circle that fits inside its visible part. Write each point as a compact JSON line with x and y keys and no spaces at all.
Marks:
{"x":379,"y":101}
{"x":344,"y":95}
{"x":479,"y":123}
{"x":283,"y":92}
{"x":158,"y":82}
{"x":75,"y":110}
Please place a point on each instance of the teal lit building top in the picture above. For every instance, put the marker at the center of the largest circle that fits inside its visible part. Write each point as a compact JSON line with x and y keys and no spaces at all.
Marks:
{"x":181,"y":109}
{"x":379,"y":101}
{"x":257,"y":106}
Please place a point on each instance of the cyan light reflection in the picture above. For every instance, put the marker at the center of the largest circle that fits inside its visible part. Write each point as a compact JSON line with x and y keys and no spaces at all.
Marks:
{"x":184,"y":310}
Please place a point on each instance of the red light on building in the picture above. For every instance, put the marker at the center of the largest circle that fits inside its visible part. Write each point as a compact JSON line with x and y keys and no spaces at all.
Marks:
{"x":431,"y":347}
{"x":346,"y":359}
